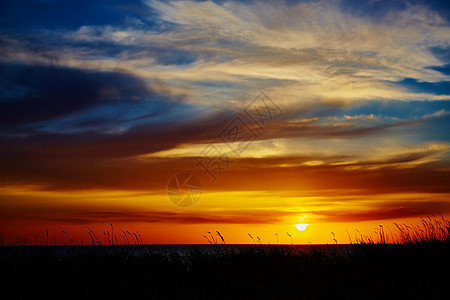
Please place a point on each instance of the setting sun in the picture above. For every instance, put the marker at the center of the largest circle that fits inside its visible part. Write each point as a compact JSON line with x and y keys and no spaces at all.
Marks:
{"x":301,"y":227}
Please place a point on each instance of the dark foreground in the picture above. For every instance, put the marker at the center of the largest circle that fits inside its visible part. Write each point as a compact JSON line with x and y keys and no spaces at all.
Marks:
{"x":417,"y":271}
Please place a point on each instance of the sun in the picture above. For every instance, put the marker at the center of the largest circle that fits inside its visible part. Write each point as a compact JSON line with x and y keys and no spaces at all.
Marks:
{"x":301,"y":227}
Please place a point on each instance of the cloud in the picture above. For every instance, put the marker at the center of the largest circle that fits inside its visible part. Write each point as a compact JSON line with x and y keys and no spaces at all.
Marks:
{"x":47,"y":95}
{"x":437,"y":114}
{"x":380,"y":170}
{"x":126,"y":100}
{"x":320,"y":49}
{"x":393,"y":210}
{"x":87,"y":215}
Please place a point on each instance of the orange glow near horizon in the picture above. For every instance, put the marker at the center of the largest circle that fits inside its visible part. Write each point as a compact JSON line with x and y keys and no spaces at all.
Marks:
{"x":280,"y":218}
{"x":320,"y":233}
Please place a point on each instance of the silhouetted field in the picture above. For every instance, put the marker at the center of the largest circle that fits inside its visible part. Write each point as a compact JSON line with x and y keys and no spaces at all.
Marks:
{"x":414,"y":269}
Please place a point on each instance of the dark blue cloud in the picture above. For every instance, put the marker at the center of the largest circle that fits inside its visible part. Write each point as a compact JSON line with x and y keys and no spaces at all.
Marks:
{"x":35,"y":93}
{"x":66,"y":99}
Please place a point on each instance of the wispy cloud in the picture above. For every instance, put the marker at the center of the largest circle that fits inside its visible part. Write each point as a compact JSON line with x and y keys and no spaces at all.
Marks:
{"x":313,"y":49}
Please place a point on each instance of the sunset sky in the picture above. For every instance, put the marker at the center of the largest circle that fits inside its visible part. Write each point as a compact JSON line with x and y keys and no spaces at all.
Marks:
{"x":104,"y":102}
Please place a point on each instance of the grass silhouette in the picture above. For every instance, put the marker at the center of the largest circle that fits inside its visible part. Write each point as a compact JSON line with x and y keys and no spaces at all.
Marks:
{"x":410,"y":263}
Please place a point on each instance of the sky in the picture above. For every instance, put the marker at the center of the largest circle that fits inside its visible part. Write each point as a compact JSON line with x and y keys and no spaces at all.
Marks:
{"x":174,"y":118}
